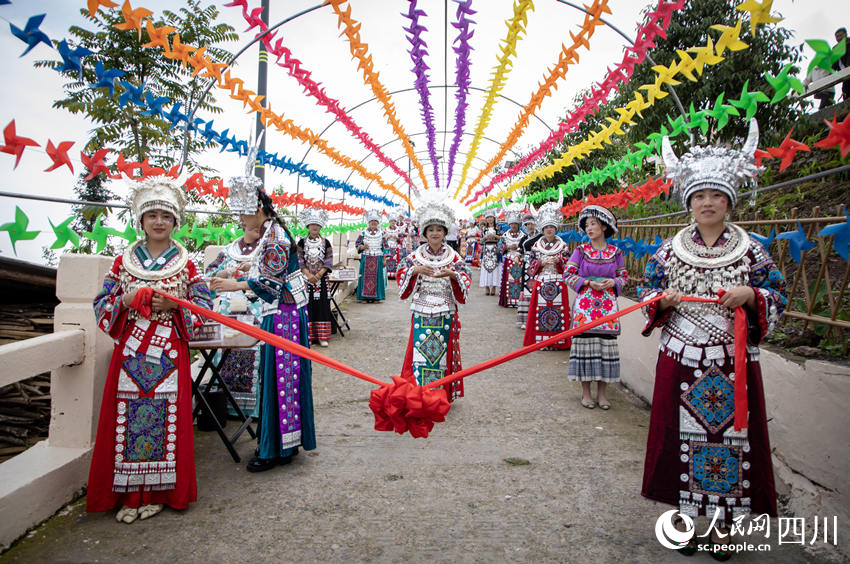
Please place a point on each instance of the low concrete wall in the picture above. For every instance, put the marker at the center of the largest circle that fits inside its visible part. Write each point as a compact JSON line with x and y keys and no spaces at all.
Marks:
{"x":39,"y":481}
{"x":807,"y":419}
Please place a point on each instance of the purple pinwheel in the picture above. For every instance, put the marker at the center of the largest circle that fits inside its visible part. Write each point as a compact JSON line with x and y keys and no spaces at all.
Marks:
{"x":417,"y":54}
{"x":462,"y":50}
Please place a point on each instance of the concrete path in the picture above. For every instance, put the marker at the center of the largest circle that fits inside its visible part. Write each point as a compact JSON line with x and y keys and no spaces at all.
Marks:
{"x":519,"y":472}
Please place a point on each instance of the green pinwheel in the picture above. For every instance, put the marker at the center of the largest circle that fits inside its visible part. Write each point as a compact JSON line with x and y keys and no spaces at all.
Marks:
{"x":199,"y":235}
{"x":181,"y":233}
{"x":748,"y":102}
{"x":17,"y":229}
{"x":825,"y":56}
{"x":99,"y":234}
{"x":64,"y":234}
{"x":782,"y":84}
{"x":722,"y":112}
{"x":697,"y":119}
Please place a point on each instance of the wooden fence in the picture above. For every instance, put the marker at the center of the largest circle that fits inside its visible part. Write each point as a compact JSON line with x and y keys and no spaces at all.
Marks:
{"x":817,"y":285}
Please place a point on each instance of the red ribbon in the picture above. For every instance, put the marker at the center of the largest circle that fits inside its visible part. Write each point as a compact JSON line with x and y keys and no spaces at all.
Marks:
{"x":405,"y":406}
{"x":265,"y":336}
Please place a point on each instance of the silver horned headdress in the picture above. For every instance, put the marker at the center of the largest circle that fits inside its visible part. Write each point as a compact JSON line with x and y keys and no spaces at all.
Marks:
{"x":243,"y":189}
{"x":372,"y":215}
{"x":716,"y":168}
{"x":550,"y":213}
{"x":432,"y":210}
{"x":513,"y":212}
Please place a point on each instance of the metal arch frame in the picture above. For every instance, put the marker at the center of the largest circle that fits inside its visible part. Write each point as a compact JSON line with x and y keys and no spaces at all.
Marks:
{"x":368,"y":154}
{"x":419,"y":152}
{"x":305,"y":11}
{"x":403,"y":90}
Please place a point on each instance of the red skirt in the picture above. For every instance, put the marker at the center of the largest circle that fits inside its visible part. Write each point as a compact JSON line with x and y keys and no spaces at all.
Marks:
{"x":663,"y":467}
{"x":100,"y":495}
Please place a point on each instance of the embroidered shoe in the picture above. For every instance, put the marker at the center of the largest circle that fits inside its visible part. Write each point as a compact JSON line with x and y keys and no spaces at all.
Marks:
{"x":127,"y":514}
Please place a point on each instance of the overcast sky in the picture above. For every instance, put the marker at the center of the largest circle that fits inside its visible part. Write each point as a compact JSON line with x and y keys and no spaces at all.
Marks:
{"x":314,"y":39}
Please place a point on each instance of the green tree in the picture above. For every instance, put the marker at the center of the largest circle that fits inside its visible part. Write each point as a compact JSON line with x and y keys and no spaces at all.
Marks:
{"x":125,"y":129}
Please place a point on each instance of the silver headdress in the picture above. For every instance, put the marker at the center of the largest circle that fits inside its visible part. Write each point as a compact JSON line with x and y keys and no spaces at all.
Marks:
{"x":156,"y":193}
{"x":716,"y":168}
{"x":490,"y":212}
{"x":243,"y":189}
{"x":550,"y":213}
{"x":433,"y":211}
{"x":372,"y":215}
{"x":513,"y":212}
{"x":601,"y":214}
{"x":314,"y":216}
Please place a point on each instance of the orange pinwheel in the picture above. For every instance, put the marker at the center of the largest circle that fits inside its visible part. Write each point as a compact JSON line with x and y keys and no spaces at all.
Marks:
{"x":94,"y":5}
{"x":158,"y":35}
{"x":132,"y":18}
{"x":179,"y":50}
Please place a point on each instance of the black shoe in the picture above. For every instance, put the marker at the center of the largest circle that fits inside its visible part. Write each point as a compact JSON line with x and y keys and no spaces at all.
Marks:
{"x":690,"y":548}
{"x":257,"y":464}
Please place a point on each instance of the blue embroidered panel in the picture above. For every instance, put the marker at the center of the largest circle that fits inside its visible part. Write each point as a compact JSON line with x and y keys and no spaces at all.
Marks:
{"x":145,"y":430}
{"x":147,"y":375}
{"x":550,"y":320}
{"x":432,"y":348}
{"x":549,"y":291}
{"x":716,"y":469}
{"x":712,"y":399}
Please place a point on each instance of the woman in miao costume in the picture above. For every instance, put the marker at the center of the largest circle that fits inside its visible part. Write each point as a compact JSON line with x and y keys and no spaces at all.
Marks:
{"x":549,"y":308}
{"x":394,"y":239}
{"x":143,"y":455}
{"x":695,"y":459}
{"x":436,"y":280}
{"x":241,"y":370}
{"x":531,"y":237}
{"x":316,"y":260}
{"x":371,"y":245}
{"x":491,"y":265}
{"x":597,"y":272}
{"x":473,"y":244}
{"x":461,"y":238}
{"x":511,"y":283}
{"x":286,"y":399}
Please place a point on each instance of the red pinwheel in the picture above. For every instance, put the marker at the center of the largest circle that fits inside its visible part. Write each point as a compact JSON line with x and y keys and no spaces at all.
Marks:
{"x":839,"y":134}
{"x":787,"y":150}
{"x":59,"y":155}
{"x":759,"y":155}
{"x":96,"y":165}
{"x":14,"y":144}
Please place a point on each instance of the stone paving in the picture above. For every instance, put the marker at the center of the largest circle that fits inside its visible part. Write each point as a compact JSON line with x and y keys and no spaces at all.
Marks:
{"x":518,"y":472}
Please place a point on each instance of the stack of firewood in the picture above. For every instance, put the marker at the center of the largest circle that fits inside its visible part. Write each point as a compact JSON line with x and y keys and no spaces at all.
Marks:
{"x":24,"y":405}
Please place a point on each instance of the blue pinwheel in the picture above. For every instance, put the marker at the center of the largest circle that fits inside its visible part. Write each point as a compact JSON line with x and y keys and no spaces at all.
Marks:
{"x":31,"y":35}
{"x":797,"y":242}
{"x":765,"y":241}
{"x":72,"y":58}
{"x":106,"y":78}
{"x":132,"y":93}
{"x":841,"y":232}
{"x":154,"y":104}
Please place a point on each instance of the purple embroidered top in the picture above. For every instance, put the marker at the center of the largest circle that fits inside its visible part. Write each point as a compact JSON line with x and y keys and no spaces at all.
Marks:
{"x":587,"y":263}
